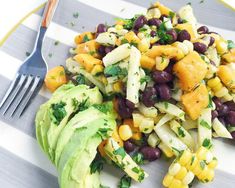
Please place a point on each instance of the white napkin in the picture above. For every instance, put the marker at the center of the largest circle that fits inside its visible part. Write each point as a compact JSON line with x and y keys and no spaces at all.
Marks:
{"x":13,"y":12}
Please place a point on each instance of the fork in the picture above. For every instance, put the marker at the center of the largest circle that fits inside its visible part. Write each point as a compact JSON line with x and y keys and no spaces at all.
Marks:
{"x":30,"y":76}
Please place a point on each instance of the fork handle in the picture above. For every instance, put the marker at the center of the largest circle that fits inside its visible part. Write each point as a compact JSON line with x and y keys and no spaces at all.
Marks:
{"x":49,"y":12}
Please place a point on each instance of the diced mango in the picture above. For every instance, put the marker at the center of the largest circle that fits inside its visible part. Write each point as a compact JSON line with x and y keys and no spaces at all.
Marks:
{"x":166,"y":51}
{"x":131,"y":37}
{"x":147,"y":62}
{"x":188,"y":27}
{"x":195,"y":101}
{"x":83,"y":37}
{"x":163,"y":9}
{"x":227,"y":75}
{"x":230,"y":56}
{"x":89,"y":47}
{"x":55,"y":78}
{"x":87,"y":61}
{"x":191,"y":70}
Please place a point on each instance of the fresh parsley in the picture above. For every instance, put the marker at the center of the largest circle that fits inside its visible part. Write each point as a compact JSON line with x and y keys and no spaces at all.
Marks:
{"x":120,"y":151}
{"x":125,"y":182}
{"x":205,"y":124}
{"x":97,"y":165}
{"x":145,"y":79}
{"x":207,"y":143}
{"x":161,"y":32}
{"x":58,"y":112}
{"x":231,"y":44}
{"x":138,"y":158}
{"x":181,"y":132}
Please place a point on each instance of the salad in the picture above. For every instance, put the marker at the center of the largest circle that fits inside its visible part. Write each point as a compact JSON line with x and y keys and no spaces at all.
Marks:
{"x":136,"y":90}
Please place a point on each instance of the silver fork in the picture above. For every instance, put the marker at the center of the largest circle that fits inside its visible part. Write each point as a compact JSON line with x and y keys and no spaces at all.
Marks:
{"x":30,"y":76}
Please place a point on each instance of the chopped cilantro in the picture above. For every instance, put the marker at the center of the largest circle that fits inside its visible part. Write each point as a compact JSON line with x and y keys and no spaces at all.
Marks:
{"x":176,"y":150}
{"x":205,"y":124}
{"x":192,"y":160}
{"x":56,"y":43}
{"x":202,"y":165}
{"x":138,"y":158}
{"x":58,"y":112}
{"x":141,"y":176}
{"x":124,"y":41}
{"x":171,"y":14}
{"x":145,"y":79}
{"x":181,"y":132}
{"x":76,"y":14}
{"x":125,"y":182}
{"x":85,"y":38}
{"x":83,"y":105}
{"x":92,"y":52}
{"x":104,"y":132}
{"x":136,"y":170}
{"x":231,"y":44}
{"x":210,"y":105}
{"x":166,"y":105}
{"x":75,"y":103}
{"x":207,"y":143}
{"x":80,"y":79}
{"x":97,"y":166}
{"x":161,"y":32}
{"x":27,"y":54}
{"x":134,"y":44}
{"x":121,"y":152}
{"x":105,"y":107}
{"x":115,"y":70}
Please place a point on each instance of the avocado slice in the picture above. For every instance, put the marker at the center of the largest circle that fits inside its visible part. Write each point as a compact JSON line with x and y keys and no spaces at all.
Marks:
{"x":92,"y":180}
{"x":73,"y":150}
{"x":77,"y":173}
{"x":42,"y":121}
{"x":80,"y":94}
{"x":79,"y":120}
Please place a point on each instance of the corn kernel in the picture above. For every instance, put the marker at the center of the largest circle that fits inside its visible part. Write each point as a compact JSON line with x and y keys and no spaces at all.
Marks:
{"x":103,"y":79}
{"x":137,"y":119}
{"x":141,"y":35}
{"x":125,"y":132}
{"x":181,"y":174}
{"x":213,"y":163}
{"x":209,"y":157}
{"x":213,"y":82}
{"x":228,"y":97}
{"x":118,"y":27}
{"x":117,"y":87}
{"x":166,"y":150}
{"x":174,"y":169}
{"x":185,"y":158}
{"x":222,"y":46}
{"x":175,"y":184}
{"x":223,"y":91}
{"x":210,"y":175}
{"x":167,"y":180}
{"x":153,"y":40}
{"x":161,"y":63}
{"x":184,"y":186}
{"x":144,"y":45}
{"x":197,"y":170}
{"x":204,"y":173}
{"x":146,"y":125}
{"x":201,"y":153}
{"x":188,"y":178}
{"x":137,"y":135}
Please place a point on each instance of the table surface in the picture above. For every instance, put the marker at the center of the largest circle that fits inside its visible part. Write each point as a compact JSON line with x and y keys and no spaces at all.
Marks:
{"x":27,"y":167}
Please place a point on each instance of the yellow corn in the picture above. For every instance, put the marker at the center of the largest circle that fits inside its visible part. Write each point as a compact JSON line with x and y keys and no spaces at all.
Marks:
{"x":97,"y":69}
{"x":136,"y":134}
{"x":118,"y":27}
{"x":117,"y":87}
{"x":161,"y":63}
{"x":166,"y":150}
{"x":143,"y":45}
{"x":187,"y":165}
{"x":125,"y":132}
{"x":147,"y":62}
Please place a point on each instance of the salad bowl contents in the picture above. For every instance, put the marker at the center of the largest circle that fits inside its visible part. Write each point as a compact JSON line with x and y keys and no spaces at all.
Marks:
{"x":137,"y":90}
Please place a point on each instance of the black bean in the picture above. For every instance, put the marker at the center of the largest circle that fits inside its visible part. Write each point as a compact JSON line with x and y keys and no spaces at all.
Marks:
{"x":183,"y":35}
{"x":173,"y":36}
{"x":203,"y":30}
{"x":149,"y":96}
{"x":129,"y":146}
{"x":214,"y":114}
{"x":130,"y":104}
{"x":163,"y":91}
{"x":153,"y":33}
{"x":101,"y":28}
{"x":169,"y":68}
{"x":200,"y":47}
{"x":230,"y":118}
{"x":180,"y":21}
{"x":101,"y":50}
{"x":231,"y":105}
{"x":139,"y":22}
{"x":123,"y":108}
{"x":154,"y":21}
{"x":108,"y":49}
{"x":150,"y":154}
{"x":223,"y":110}
{"x":217,"y":102}
{"x":212,"y":40}
{"x":233,"y":134}
{"x":162,"y":77}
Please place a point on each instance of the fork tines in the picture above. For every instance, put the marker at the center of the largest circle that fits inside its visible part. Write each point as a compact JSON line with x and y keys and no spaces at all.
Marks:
{"x":19,"y":94}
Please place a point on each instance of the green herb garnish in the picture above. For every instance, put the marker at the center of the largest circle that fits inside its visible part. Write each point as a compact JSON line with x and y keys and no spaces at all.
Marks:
{"x":97,"y":165}
{"x":138,"y":158}
{"x":181,"y":132}
{"x":105,"y":107}
{"x":207,"y":143}
{"x":58,"y":112}
{"x":205,"y":124}
{"x":231,"y":44}
{"x":125,"y":182}
{"x":80,"y":79}
{"x":120,"y":151}
{"x":145,"y":79}
{"x":85,"y":38}
{"x":115,"y":70}
{"x":210,"y":105}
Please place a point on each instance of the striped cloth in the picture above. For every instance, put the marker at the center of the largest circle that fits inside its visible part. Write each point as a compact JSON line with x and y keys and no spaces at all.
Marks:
{"x":22,"y":164}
